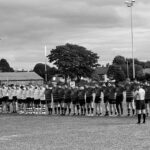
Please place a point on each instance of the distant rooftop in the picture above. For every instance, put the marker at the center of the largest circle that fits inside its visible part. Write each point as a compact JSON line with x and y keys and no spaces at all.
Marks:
{"x":19,"y":76}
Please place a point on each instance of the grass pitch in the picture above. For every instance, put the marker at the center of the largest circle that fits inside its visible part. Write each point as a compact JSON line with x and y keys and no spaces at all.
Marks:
{"x":72,"y":133}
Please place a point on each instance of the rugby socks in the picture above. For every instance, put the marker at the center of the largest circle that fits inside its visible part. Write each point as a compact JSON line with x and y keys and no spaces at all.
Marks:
{"x":144,"y":118}
{"x":84,"y":111}
{"x":69,"y":111}
{"x":139,"y":118}
{"x":81,"y":111}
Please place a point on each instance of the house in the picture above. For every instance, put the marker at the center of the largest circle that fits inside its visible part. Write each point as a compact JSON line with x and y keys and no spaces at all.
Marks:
{"x":20,"y":78}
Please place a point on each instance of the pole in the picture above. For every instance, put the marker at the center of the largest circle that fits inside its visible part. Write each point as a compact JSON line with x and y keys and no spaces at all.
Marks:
{"x":132,"y":43}
{"x":127,"y":69}
{"x":45,"y":64}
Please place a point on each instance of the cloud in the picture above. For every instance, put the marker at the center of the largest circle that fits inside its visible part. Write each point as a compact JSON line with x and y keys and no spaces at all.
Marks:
{"x":99,"y":25}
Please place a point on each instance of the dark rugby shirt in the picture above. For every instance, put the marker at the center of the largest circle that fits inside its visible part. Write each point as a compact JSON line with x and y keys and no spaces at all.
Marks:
{"x":48,"y":93}
{"x":112,"y":93}
{"x":74,"y":94}
{"x":81,"y":94}
{"x":67,"y":94}
{"x":98,"y":92}
{"x":55,"y":93}
{"x":89,"y":92}
{"x":147,"y":94}
{"x":61,"y":93}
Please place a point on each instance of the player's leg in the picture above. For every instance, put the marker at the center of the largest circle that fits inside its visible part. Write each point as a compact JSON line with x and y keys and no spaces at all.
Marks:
{"x":138,"y":107}
{"x":143,"y":108}
{"x":133,"y":107}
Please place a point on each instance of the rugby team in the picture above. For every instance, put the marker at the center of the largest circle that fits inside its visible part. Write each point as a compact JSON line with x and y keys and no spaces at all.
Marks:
{"x":78,"y":100}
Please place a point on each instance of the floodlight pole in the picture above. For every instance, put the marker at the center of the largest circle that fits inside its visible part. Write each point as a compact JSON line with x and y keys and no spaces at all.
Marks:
{"x":130,"y":4}
{"x":127,"y":69}
{"x":45,"y":64}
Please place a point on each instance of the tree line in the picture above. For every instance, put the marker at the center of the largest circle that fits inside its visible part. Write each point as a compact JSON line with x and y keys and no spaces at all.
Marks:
{"x":74,"y":61}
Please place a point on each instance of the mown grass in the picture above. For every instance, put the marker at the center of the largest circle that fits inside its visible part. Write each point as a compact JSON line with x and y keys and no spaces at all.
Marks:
{"x":72,"y":133}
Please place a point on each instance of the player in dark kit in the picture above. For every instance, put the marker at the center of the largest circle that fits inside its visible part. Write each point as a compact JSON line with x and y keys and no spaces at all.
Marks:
{"x":89,"y":99}
{"x":48,"y":97}
{"x":61,"y":93}
{"x":112,"y":99}
{"x":98,"y":98}
{"x":147,"y":98}
{"x":106,"y":91}
{"x":67,"y":100}
{"x":119,"y":99}
{"x":74,"y":99}
{"x":129,"y":98}
{"x":81,"y":97}
{"x":55,"y":98}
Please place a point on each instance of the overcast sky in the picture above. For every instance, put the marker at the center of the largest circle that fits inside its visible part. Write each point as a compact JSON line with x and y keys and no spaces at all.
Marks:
{"x":102,"y":26}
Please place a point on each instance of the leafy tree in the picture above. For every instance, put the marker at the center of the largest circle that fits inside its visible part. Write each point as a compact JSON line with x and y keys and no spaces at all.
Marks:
{"x":74,"y":61}
{"x":40,"y":70}
{"x":119,"y":60}
{"x":5,"y":67}
{"x":147,"y":64}
{"x":138,"y":71}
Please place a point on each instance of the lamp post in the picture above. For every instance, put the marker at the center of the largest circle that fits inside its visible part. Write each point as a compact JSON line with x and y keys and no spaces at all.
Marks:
{"x":130,"y":3}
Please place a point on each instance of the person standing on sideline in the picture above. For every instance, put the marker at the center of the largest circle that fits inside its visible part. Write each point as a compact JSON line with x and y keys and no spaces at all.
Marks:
{"x":140,"y":103}
{"x":147,"y":99}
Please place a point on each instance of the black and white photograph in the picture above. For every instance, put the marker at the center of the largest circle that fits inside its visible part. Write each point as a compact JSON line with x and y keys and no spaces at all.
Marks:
{"x":74,"y":74}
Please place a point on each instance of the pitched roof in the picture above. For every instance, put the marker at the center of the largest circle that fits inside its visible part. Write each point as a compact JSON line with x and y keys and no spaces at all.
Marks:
{"x":101,"y":70}
{"x":19,"y":76}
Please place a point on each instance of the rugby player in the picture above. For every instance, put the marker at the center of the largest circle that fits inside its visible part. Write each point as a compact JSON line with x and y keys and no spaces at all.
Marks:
{"x":147,"y":98}
{"x":97,"y":100}
{"x":140,"y":103}
{"x":112,"y":99}
{"x":130,"y":98}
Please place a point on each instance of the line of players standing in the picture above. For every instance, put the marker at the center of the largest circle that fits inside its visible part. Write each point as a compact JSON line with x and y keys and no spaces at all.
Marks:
{"x":63,"y":100}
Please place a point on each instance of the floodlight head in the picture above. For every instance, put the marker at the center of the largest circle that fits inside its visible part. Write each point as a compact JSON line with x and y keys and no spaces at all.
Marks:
{"x":133,"y":1}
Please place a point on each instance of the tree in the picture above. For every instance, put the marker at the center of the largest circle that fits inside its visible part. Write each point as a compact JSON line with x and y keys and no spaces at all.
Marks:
{"x":74,"y":61}
{"x":116,"y":72}
{"x":147,"y":64}
{"x":5,"y":67}
{"x":138,"y":71}
{"x":40,"y":70}
{"x":119,"y":60}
